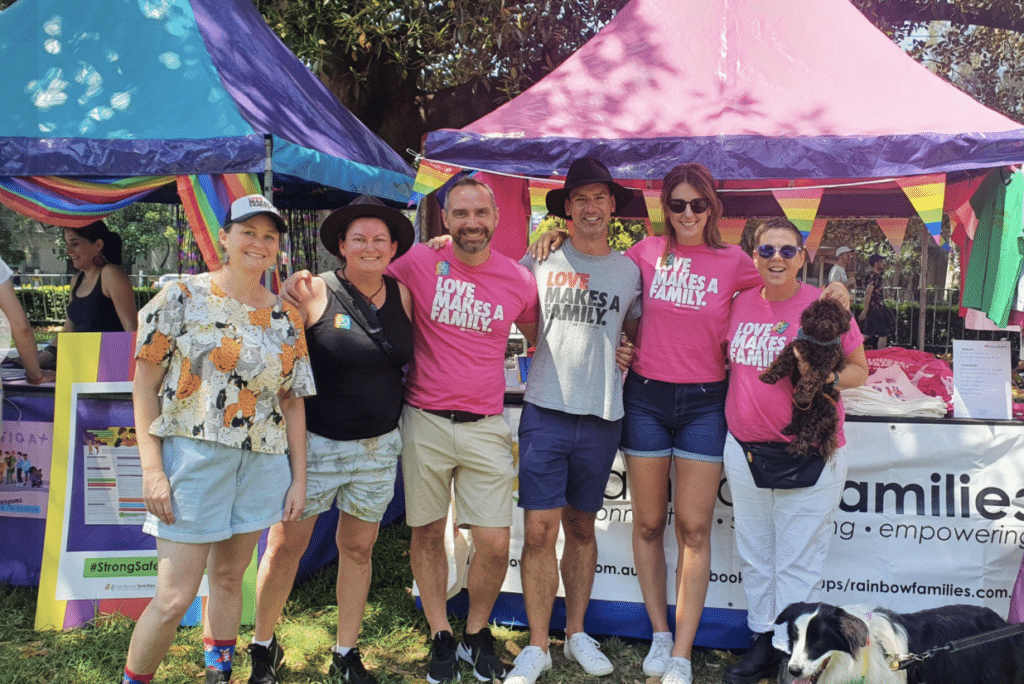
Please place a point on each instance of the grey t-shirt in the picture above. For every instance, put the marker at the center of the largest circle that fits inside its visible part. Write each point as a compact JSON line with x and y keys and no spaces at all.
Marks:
{"x":583,"y":301}
{"x":837,"y":275}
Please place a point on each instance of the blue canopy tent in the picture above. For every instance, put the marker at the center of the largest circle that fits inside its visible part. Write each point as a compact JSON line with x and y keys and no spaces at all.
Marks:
{"x":129,"y":88}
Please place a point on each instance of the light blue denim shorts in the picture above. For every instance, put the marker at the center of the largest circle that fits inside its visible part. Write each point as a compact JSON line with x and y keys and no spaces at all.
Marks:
{"x":219,"y":491}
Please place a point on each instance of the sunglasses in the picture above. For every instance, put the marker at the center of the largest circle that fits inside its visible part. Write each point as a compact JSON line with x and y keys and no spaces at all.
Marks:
{"x":699,"y":205}
{"x":785,"y":251}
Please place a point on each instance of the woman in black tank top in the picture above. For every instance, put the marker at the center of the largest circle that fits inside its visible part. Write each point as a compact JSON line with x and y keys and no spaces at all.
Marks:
{"x":102,"y":299}
{"x":352,"y":421}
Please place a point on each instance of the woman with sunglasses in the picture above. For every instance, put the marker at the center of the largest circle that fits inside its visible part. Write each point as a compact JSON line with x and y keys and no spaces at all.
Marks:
{"x":674,"y":398}
{"x":782,"y":535}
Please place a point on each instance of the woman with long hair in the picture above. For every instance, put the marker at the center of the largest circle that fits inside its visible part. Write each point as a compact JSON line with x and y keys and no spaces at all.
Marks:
{"x":102,"y":299}
{"x":220,"y":374}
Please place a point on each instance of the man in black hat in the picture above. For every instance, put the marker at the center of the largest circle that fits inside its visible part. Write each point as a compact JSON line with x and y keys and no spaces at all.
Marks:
{"x":572,"y":413}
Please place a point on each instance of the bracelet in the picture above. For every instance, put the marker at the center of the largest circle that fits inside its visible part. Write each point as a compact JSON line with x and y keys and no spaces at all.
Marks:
{"x":835,"y":380}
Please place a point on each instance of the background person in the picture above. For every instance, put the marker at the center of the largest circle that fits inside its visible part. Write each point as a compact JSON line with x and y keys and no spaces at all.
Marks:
{"x":838,"y":273}
{"x":221,"y":370}
{"x":102,"y":299}
{"x":874,"y":316}
{"x":353,"y":442}
{"x":782,"y":535}
{"x":21,"y":330}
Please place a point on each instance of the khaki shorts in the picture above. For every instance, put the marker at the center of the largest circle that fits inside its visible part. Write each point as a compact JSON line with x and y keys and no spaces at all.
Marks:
{"x":476,"y":457}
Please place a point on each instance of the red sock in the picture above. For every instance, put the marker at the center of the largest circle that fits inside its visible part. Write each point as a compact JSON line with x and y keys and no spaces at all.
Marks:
{"x":132,"y":678}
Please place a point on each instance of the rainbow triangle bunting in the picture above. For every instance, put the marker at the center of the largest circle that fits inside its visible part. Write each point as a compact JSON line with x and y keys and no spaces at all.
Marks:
{"x":800,"y":205}
{"x":731,"y":229}
{"x":927,"y":194}
{"x":895,"y":230}
{"x":430,"y":176}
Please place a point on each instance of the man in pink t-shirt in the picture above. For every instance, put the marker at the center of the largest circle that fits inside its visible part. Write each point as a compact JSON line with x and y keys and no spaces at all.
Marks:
{"x":465,"y":299}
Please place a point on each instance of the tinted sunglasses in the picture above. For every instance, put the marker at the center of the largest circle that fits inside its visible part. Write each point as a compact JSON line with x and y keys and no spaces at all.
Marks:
{"x":785,"y":251}
{"x":699,"y":205}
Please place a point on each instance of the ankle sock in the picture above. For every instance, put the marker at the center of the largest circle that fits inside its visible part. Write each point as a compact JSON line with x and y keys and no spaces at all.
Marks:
{"x":132,"y":678}
{"x":219,"y":653}
{"x":264,"y":644}
{"x":342,"y":650}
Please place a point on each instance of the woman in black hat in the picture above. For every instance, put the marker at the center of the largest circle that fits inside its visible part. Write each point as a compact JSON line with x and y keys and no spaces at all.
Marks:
{"x":352,"y":423}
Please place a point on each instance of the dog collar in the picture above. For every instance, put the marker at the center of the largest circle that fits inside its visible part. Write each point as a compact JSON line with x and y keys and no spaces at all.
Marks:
{"x":803,"y":336}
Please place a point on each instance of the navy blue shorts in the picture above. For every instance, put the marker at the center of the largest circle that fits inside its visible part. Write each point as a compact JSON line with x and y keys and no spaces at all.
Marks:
{"x":564,"y":459}
{"x":668,"y":418}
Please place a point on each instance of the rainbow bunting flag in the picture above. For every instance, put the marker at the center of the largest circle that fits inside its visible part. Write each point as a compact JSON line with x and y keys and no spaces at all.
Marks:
{"x":652,"y":198}
{"x":800,"y":205}
{"x":429,"y":177}
{"x":539,"y":189}
{"x":205,"y":200}
{"x":927,"y":194}
{"x":731,"y":229}
{"x":73,"y":203}
{"x":812,"y":241}
{"x":895,"y":230}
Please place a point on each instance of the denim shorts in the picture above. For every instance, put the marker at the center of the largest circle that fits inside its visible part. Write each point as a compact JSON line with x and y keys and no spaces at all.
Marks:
{"x":219,"y":491}
{"x":674,"y":419}
{"x":564,"y":459}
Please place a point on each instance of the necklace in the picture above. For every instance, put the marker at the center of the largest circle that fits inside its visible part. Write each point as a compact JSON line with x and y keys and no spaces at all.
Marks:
{"x":369,"y":299}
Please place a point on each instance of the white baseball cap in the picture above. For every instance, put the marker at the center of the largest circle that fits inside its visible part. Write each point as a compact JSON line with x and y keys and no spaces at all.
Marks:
{"x":251,"y":205}
{"x":843,"y":250}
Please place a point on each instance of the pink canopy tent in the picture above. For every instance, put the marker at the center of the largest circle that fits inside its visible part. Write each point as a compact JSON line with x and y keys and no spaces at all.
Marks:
{"x":755,"y":90}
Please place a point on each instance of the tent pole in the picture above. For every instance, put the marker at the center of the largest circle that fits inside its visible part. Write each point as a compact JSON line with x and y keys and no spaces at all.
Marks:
{"x":268,"y":171}
{"x":922,"y":311}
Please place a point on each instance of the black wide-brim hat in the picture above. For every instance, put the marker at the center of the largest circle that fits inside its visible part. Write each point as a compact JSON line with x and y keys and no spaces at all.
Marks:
{"x":584,"y":171}
{"x":367,"y":205}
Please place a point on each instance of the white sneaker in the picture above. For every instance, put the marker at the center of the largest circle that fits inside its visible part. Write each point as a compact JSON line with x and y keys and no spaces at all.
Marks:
{"x":529,"y":664}
{"x":581,"y":648}
{"x":677,"y":672}
{"x":657,"y":657}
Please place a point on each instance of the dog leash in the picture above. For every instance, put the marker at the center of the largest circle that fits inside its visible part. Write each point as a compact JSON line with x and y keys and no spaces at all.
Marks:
{"x":902,"y":662}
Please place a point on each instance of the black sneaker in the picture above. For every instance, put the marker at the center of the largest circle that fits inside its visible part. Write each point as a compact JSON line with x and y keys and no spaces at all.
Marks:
{"x":444,"y":667}
{"x":478,"y":650}
{"x":215,"y":676}
{"x":349,"y":668}
{"x":265,"y":661}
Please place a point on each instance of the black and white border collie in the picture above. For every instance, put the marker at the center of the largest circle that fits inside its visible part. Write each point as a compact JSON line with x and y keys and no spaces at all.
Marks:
{"x":855,"y":644}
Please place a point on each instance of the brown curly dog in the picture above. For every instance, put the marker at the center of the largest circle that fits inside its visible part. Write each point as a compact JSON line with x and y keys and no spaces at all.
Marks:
{"x":815,"y":417}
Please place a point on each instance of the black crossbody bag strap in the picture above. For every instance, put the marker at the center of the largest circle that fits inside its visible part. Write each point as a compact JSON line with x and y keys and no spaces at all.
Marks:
{"x":361,"y":313}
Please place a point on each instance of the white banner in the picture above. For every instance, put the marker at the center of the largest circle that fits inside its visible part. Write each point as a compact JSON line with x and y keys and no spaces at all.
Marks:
{"x":926,"y":520}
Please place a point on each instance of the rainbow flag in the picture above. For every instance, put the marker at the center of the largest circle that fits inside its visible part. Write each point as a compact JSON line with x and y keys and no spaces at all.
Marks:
{"x":72,"y":202}
{"x":812,"y":241}
{"x":539,"y":190}
{"x":800,"y":205}
{"x":652,"y":199}
{"x":927,"y":194}
{"x":430,"y":176}
{"x":731,"y":229}
{"x":895,"y":230}
{"x":205,"y":200}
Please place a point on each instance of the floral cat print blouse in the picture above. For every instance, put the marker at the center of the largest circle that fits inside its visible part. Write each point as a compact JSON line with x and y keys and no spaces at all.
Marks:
{"x":228,"y":365}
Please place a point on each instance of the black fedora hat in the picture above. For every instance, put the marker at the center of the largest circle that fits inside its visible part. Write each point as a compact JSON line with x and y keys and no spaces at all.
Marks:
{"x":367,"y":205}
{"x":584,"y":171}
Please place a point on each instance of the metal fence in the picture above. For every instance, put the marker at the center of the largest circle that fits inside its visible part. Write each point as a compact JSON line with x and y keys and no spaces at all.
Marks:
{"x":44,"y":296}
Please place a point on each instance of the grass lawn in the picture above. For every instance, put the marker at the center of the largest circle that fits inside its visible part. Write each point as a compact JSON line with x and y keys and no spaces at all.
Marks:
{"x":393,"y":640}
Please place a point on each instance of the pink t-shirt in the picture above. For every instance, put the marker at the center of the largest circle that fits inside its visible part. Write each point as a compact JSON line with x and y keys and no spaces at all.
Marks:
{"x":758,"y":330}
{"x":686,"y":302}
{"x":462,"y":316}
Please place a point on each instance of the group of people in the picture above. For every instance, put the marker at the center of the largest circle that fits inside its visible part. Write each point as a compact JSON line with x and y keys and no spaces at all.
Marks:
{"x":255,"y":411}
{"x":17,"y":468}
{"x":875,"y":316}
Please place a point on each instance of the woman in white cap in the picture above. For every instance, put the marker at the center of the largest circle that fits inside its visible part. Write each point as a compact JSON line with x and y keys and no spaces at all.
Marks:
{"x":220,"y":375}
{"x":353,"y":439}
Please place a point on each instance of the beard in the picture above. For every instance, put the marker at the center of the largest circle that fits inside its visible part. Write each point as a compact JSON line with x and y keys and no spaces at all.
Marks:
{"x":471,"y":247}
